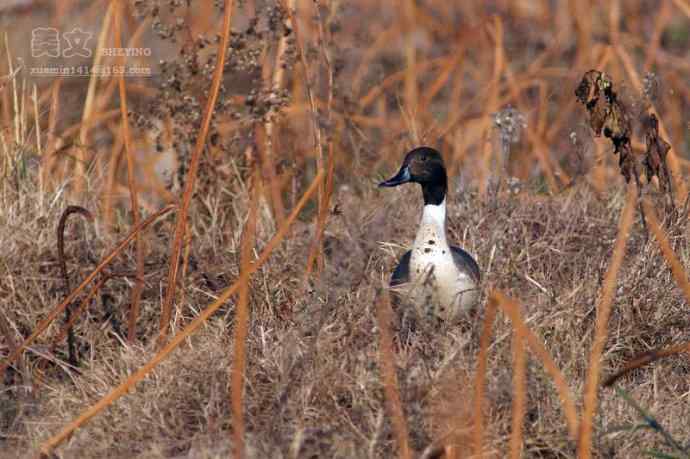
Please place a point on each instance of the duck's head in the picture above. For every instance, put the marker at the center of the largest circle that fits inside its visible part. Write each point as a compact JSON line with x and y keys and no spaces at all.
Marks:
{"x":423,"y":165}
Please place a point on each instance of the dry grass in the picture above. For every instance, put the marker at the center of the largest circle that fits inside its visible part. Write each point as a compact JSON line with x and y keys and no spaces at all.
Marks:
{"x":284,"y":241}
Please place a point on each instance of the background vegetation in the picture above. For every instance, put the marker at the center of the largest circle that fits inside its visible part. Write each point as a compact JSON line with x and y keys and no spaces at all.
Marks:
{"x":225,"y":288}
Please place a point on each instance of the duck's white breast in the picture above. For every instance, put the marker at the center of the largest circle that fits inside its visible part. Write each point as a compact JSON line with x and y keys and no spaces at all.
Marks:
{"x":435,"y":278}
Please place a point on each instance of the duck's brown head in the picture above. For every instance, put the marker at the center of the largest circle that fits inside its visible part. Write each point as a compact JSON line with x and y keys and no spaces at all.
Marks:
{"x":423,"y":165}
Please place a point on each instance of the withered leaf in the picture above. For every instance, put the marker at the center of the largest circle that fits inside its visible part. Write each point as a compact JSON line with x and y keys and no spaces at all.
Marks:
{"x":657,"y":149}
{"x":608,"y":114}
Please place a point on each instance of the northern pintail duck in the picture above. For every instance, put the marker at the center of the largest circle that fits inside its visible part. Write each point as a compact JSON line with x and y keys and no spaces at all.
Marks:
{"x":435,"y":277}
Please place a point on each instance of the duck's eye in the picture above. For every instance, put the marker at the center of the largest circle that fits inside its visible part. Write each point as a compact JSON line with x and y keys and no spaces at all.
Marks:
{"x":423,"y":158}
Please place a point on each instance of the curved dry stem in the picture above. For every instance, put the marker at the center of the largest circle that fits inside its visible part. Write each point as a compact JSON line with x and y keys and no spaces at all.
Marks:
{"x":70,"y":210}
{"x":41,"y":327}
{"x":645,"y":359}
{"x":140,"y":374}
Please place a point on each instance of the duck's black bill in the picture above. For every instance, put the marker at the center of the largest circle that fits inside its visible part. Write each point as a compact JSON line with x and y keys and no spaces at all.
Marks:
{"x":403,"y":176}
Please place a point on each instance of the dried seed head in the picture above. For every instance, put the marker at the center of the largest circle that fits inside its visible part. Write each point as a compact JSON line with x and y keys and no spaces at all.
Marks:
{"x":510,"y":122}
{"x":650,"y":86}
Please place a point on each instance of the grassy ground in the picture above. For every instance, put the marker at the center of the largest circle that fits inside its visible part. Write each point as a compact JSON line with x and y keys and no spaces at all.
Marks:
{"x":313,"y":385}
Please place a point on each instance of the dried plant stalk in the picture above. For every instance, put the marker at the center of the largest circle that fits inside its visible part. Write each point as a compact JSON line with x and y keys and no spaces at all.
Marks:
{"x":318,"y":142}
{"x":512,"y":310}
{"x":239,"y":361}
{"x":316,"y":245}
{"x":89,"y":104}
{"x":39,"y":148}
{"x":480,"y":377}
{"x":48,"y":159}
{"x":683,"y":6}
{"x":674,"y":263}
{"x":491,"y":104}
{"x":276,"y":85}
{"x":190,"y":178}
{"x":645,"y":359}
{"x":411,"y":90}
{"x":111,"y":184}
{"x":601,"y":327}
{"x":70,"y":210}
{"x":10,"y":340}
{"x":390,"y":380}
{"x":377,"y":91}
{"x":519,"y":392}
{"x":134,"y":201}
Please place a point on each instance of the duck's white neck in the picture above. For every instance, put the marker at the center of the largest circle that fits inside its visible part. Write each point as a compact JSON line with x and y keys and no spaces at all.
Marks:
{"x":433,"y":222}
{"x":435,"y":214}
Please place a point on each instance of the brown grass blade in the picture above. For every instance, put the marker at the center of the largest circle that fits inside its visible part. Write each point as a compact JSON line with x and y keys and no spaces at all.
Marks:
{"x":683,"y":6}
{"x":535,"y":138}
{"x":40,"y":328}
{"x":645,"y":359}
{"x":190,"y":179}
{"x":480,"y":377}
{"x":674,"y":263}
{"x":79,"y":168}
{"x":519,"y":392}
{"x":603,"y":309}
{"x":512,"y":310}
{"x":491,"y":105}
{"x":408,"y":11}
{"x":48,"y":159}
{"x":384,"y":316}
{"x":288,"y":5}
{"x":264,"y":135}
{"x":8,"y":335}
{"x":383,"y":40}
{"x":660,"y":22}
{"x":134,"y":201}
{"x":242,"y":324}
{"x":140,"y":374}
{"x":445,"y":74}
{"x":105,"y":96}
{"x":376,"y":91}
{"x":316,"y":246}
{"x":111,"y":184}
{"x":37,"y":131}
{"x":95,"y":120}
